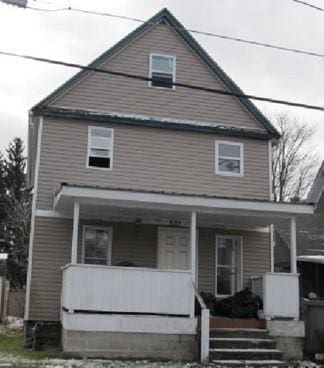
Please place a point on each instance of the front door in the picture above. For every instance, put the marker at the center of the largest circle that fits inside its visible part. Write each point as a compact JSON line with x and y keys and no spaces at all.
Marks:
{"x":173,"y":248}
{"x":228,"y":265}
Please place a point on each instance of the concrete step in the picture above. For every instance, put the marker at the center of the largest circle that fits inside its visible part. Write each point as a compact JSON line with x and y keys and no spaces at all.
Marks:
{"x":245,"y":354}
{"x":239,"y":333}
{"x":248,"y":363}
{"x":241,"y":343}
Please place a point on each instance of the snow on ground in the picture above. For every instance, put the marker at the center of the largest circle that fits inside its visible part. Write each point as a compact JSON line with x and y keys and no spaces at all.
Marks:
{"x":98,"y":363}
{"x":14,"y":323}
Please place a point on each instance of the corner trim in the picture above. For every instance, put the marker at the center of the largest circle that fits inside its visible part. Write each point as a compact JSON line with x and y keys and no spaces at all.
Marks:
{"x":32,"y":222}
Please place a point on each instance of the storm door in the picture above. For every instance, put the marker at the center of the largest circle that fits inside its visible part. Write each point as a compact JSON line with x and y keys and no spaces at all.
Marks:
{"x":228,"y":265}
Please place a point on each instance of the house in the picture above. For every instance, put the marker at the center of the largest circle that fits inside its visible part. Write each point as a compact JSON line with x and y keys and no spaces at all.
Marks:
{"x":145,"y":193}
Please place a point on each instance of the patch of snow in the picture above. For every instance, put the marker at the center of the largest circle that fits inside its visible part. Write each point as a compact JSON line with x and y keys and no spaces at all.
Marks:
{"x":168,"y":120}
{"x":14,"y":323}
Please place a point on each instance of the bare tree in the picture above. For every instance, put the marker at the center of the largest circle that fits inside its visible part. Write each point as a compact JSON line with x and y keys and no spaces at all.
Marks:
{"x":294,"y":160}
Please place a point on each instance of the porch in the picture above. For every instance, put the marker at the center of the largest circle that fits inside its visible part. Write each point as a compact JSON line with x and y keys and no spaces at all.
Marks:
{"x":158,"y":295}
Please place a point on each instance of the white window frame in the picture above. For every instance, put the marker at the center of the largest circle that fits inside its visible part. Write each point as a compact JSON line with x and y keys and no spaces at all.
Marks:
{"x":241,"y":158}
{"x":240,"y":263}
{"x":173,"y":57}
{"x":109,"y":246}
{"x":89,"y":148}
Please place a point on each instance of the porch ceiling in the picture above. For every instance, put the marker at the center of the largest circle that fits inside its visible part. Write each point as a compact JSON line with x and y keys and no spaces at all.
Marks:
{"x":139,"y":206}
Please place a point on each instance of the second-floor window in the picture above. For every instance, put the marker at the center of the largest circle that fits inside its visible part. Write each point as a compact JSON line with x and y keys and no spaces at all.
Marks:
{"x":228,"y":158}
{"x":100,"y":147}
{"x":162,"y":71}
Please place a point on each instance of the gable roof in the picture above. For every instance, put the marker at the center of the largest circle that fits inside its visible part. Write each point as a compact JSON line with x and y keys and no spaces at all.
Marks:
{"x":164,"y":16}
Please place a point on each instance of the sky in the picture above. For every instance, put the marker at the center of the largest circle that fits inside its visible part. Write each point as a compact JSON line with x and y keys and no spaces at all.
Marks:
{"x":80,"y":38}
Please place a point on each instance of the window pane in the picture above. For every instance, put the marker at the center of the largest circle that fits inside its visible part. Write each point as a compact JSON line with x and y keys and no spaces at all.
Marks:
{"x":96,"y":246}
{"x":99,"y":152}
{"x":100,"y":142}
{"x":229,"y":150}
{"x":162,"y":80}
{"x":225,"y":252}
{"x":99,"y":162}
{"x":224,"y":281}
{"x":226,"y":165}
{"x":162,"y":64}
{"x":100,"y":132}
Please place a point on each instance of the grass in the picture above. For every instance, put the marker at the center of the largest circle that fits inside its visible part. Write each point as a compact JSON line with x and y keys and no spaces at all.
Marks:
{"x":11,"y":347}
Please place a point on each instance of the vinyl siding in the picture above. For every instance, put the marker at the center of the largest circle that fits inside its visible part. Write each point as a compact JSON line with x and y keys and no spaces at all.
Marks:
{"x":148,"y":159}
{"x":135,"y":243}
{"x":255,"y":253}
{"x":105,"y":93}
{"x":51,"y":251}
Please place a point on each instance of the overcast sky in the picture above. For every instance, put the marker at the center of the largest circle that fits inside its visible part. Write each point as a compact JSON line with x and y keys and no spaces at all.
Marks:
{"x":80,"y":38}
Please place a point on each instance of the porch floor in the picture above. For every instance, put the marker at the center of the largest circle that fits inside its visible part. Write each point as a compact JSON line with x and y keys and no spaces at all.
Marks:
{"x":237,"y":323}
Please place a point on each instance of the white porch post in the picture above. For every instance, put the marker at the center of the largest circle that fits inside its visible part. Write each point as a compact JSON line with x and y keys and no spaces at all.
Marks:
{"x":293,"y":246}
{"x":193,"y":244}
{"x":76,"y":215}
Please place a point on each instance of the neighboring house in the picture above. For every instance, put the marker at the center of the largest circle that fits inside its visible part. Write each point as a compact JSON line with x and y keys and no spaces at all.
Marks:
{"x":310,"y":252}
{"x":145,"y":192}
{"x":316,"y":193}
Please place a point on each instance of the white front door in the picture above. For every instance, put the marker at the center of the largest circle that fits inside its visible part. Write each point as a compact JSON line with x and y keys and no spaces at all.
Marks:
{"x":173,"y":248}
{"x":228,"y":265}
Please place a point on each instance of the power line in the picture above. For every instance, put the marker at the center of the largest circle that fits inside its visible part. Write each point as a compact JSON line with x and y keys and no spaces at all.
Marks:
{"x":177,"y":84}
{"x":309,"y":5}
{"x":195,"y":31}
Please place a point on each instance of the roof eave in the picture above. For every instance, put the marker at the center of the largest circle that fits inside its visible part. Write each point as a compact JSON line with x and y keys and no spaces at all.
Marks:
{"x":152,"y":123}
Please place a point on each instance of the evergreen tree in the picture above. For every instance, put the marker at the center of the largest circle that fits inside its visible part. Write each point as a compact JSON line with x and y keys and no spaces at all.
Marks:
{"x":17,"y":213}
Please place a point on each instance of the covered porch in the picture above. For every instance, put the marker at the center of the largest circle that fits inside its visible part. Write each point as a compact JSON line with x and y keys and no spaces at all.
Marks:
{"x":138,"y":259}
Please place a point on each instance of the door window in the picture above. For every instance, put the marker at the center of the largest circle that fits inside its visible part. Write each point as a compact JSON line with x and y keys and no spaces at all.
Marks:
{"x":228,"y":265}
{"x":96,"y":245}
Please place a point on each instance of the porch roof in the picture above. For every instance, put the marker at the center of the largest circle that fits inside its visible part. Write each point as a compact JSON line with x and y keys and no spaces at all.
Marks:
{"x":153,"y":200}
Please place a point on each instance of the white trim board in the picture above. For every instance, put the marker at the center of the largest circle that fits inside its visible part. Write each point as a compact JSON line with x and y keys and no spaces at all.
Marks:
{"x":129,"y":323}
{"x":148,"y":221}
{"x":33,"y":215}
{"x":134,"y":199}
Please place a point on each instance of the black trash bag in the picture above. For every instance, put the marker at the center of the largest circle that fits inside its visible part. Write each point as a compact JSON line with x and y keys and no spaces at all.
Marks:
{"x":126,"y":264}
{"x":243,"y":304}
{"x":209,"y":299}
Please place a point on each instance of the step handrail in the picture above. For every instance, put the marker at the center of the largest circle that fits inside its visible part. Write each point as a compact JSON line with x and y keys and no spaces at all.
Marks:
{"x":204,"y":327}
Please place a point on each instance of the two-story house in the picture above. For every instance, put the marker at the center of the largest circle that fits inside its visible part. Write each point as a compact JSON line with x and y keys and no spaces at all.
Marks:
{"x":145,"y":192}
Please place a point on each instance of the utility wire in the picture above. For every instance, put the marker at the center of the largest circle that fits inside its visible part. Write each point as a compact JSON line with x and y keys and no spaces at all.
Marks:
{"x":178,"y":84}
{"x":210,"y":34}
{"x":309,"y":5}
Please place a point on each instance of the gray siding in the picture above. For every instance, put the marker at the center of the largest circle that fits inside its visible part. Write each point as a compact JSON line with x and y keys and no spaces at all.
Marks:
{"x":135,"y":243}
{"x":102,"y":93}
{"x":255,"y":262}
{"x":148,"y":159}
{"x":52,"y":250}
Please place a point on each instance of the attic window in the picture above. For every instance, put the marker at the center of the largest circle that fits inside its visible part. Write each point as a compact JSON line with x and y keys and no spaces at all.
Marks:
{"x":100,"y":147}
{"x":162,"y":71}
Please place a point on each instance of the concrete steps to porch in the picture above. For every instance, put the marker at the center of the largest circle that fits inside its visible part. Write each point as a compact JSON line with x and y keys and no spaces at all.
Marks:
{"x":242,"y":347}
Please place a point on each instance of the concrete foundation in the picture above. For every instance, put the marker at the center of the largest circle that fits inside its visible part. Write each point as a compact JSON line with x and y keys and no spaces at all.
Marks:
{"x":130,"y":345}
{"x":289,"y":336}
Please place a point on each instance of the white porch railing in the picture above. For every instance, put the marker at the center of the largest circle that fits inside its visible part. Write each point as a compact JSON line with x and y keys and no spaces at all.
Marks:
{"x":127,"y":290}
{"x":280,"y":294}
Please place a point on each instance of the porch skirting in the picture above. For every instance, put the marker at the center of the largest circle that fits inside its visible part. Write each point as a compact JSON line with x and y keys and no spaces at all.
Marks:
{"x":129,"y":336}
